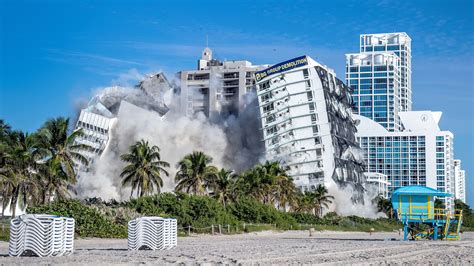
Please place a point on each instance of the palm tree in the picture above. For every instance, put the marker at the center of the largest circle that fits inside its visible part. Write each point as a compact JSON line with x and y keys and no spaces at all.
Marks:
{"x":321,"y":199}
{"x":53,"y":180}
{"x":19,"y":170}
{"x":194,"y":173}
{"x":222,"y":186}
{"x":58,"y":145}
{"x":144,"y":169}
{"x":384,"y":205}
{"x":285,"y":192}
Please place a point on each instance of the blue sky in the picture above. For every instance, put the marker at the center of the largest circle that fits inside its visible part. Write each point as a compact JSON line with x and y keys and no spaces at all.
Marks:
{"x":54,"y":54}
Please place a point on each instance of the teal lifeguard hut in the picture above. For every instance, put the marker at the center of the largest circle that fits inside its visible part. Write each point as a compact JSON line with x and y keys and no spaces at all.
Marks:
{"x":414,"y":207}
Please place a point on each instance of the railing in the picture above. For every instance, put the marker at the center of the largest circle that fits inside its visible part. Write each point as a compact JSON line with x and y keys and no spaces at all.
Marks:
{"x":413,"y":213}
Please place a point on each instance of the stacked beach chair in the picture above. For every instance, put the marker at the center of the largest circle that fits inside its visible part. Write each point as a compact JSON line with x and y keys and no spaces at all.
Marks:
{"x":41,"y":235}
{"x":153,"y":233}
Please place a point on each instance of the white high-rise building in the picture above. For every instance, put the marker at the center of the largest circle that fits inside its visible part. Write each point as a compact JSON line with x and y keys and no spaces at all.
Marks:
{"x":400,"y":44}
{"x":307,"y":124}
{"x":374,"y":78}
{"x":460,"y":181}
{"x":421,"y":154}
{"x":216,"y":87}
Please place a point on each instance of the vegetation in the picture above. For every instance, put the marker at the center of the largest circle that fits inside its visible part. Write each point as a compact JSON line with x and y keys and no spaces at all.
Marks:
{"x":95,"y":218}
{"x":35,"y":168}
{"x":194,"y":173}
{"x":468,"y":215}
{"x":144,"y":169}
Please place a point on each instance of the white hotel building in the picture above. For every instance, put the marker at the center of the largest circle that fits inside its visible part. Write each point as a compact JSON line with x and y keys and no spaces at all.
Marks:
{"x":421,"y":154}
{"x":460,"y":181}
{"x":307,"y":124}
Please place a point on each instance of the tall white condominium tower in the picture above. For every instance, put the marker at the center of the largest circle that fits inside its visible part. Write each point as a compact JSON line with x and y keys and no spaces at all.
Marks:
{"x":421,"y":154}
{"x":460,"y":181}
{"x":216,"y":87}
{"x":374,"y":78}
{"x":400,"y":44}
{"x":307,"y":124}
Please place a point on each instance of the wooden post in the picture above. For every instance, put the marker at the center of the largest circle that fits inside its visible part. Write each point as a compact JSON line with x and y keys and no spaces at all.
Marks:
{"x":228,"y":228}
{"x":220,"y":230}
{"x":212,"y":229}
{"x":189,"y":230}
{"x":244,"y":226}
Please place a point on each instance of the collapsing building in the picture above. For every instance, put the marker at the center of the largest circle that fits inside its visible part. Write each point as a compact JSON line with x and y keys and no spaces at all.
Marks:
{"x":217,"y":88}
{"x":105,"y":109}
{"x":307,"y":124}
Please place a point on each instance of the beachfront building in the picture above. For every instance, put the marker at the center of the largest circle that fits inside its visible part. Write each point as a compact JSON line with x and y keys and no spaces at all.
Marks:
{"x":216,"y":87}
{"x":400,"y":44}
{"x":104,"y":110}
{"x":459,"y":181}
{"x":421,"y":154}
{"x":96,"y":123}
{"x":307,"y":124}
{"x":374,"y":78}
{"x":377,"y":184}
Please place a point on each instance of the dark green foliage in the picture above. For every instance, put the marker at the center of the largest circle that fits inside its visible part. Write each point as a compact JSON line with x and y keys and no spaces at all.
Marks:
{"x":253,"y":211}
{"x":467,"y":214}
{"x":197,"y":211}
{"x":89,"y":221}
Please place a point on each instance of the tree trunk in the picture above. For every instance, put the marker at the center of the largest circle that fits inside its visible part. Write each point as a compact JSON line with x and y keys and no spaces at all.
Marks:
{"x":13,"y":202}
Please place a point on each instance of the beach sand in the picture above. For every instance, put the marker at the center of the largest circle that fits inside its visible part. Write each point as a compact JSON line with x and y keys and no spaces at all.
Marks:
{"x":263,"y":248}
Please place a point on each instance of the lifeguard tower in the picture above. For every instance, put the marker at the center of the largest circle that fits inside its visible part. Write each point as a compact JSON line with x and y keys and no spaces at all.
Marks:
{"x":414,"y":207}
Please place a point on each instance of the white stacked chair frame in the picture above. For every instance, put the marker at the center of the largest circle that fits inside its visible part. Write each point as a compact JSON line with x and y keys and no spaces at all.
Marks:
{"x":153,"y":233}
{"x":43,"y":235}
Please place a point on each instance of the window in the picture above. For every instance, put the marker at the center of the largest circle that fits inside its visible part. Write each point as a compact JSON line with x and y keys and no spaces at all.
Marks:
{"x":311,"y":107}
{"x":317,"y":140}
{"x":270,"y":119}
{"x":313,"y":118}
{"x":315,"y":130}
{"x":308,"y":84}
{"x":268,"y":108}
{"x":272,"y":130}
{"x":305,"y":73}
{"x":266,"y":96}
{"x":265,"y":85}
{"x":310,"y":95}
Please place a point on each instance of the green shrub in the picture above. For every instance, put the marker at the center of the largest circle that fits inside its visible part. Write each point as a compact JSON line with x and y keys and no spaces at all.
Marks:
{"x":252,"y":211}
{"x":89,"y":221}
{"x":197,"y":211}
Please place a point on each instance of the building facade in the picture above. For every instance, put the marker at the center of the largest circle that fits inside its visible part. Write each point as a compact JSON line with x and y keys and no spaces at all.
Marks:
{"x":421,"y":155}
{"x":400,"y":44}
{"x":307,"y":124}
{"x":216,"y":87}
{"x":377,"y":184}
{"x":459,"y":181}
{"x":374,"y":78}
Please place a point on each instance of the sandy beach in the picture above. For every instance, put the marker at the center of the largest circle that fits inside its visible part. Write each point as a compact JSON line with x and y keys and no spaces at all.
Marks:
{"x":295,"y":247}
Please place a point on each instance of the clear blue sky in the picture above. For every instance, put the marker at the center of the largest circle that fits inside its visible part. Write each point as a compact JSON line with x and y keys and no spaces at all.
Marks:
{"x":53,"y":54}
